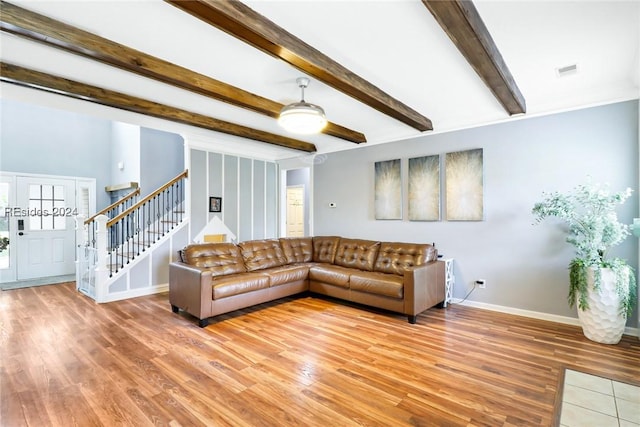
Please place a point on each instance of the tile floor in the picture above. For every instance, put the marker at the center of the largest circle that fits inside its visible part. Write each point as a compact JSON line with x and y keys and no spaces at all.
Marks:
{"x":589,"y":400}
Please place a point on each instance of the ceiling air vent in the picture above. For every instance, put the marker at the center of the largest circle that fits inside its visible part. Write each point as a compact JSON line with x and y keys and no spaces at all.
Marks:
{"x":567,"y":70}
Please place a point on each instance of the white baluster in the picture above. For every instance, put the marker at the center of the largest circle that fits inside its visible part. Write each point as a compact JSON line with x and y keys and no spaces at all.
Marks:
{"x":102,"y":270}
{"x":81,"y":242}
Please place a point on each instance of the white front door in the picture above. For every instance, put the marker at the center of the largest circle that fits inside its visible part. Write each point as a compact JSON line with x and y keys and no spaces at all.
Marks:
{"x":45,"y":239}
{"x":295,"y":211}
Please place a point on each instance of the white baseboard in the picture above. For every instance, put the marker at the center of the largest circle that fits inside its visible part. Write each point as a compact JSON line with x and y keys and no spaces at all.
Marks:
{"x":535,"y":314}
{"x":134,"y":293}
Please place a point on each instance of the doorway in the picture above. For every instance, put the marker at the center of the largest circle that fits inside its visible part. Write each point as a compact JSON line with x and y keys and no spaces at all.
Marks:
{"x":38,"y":226}
{"x":296,"y":202}
{"x":45,"y":227}
{"x":295,"y":211}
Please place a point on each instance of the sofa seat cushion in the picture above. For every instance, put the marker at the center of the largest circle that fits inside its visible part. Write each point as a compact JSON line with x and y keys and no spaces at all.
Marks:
{"x":236,"y":284}
{"x":261,"y":254}
{"x":331,"y":274}
{"x":286,"y":274}
{"x":389,"y":285}
{"x":357,"y":253}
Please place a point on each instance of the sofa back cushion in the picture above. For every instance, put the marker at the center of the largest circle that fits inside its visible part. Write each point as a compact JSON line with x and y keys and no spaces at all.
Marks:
{"x":324,"y":248}
{"x":220,"y":258}
{"x":395,"y":257}
{"x":261,"y":254}
{"x":355,"y":253}
{"x":297,"y":249}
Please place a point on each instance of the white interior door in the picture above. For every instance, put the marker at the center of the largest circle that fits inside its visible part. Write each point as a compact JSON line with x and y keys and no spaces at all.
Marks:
{"x":295,"y":211}
{"x":45,"y":229}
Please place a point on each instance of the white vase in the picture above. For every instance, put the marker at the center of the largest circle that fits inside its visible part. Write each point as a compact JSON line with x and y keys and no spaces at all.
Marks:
{"x":602,"y":322}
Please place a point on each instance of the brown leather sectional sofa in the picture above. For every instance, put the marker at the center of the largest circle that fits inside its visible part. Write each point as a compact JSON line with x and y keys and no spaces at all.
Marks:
{"x":216,"y":278}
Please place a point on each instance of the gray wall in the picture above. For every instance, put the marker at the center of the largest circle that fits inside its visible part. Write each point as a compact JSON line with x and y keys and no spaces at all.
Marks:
{"x":125,"y":148}
{"x":35,"y":139}
{"x":248,"y":189}
{"x":42,"y":140}
{"x":161,"y":158}
{"x":525,"y":265}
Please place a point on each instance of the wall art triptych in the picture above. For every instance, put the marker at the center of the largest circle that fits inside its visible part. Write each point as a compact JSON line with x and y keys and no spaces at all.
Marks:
{"x":388,"y":190}
{"x":463,"y":187}
{"x":424,"y":188}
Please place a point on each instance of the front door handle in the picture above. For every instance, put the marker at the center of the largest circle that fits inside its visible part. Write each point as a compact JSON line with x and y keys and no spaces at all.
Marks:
{"x":21,"y":234}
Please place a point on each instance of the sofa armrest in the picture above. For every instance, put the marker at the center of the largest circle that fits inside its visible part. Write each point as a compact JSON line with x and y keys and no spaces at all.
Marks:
{"x":423,"y":287}
{"x":190,"y":289}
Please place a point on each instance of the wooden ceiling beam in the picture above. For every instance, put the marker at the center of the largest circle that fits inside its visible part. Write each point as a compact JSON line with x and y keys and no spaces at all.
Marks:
{"x":18,"y":75}
{"x":244,"y":23}
{"x":31,"y":25}
{"x":462,"y":23}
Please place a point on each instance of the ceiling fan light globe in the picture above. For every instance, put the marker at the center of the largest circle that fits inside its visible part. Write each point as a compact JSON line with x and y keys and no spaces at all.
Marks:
{"x":302,"y":118}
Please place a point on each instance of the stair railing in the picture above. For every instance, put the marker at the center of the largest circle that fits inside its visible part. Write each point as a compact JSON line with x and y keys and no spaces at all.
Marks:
{"x":110,"y":211}
{"x":117,"y":241}
{"x":134,"y":230}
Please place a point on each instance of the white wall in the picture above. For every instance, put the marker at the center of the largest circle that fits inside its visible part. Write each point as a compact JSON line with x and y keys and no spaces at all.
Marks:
{"x":525,"y":265}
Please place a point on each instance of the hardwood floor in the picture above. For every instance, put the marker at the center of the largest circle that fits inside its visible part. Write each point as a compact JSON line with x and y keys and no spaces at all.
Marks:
{"x":297,"y":362}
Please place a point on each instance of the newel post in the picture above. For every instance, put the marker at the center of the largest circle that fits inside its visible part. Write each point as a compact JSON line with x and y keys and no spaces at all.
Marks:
{"x":81,"y":242}
{"x":102,"y":271}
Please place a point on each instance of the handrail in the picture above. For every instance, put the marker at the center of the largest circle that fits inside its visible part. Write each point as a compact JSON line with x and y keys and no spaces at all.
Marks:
{"x":146,"y":199}
{"x":113,"y":205}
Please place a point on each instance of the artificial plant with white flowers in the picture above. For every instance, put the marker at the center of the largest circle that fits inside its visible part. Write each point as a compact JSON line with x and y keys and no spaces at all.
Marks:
{"x":590,"y":212}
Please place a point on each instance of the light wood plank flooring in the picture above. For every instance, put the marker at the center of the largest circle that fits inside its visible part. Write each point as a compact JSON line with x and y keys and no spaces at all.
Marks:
{"x":298,"y":362}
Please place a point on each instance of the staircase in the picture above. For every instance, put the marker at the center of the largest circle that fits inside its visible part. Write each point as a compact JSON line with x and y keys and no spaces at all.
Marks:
{"x":122,"y":250}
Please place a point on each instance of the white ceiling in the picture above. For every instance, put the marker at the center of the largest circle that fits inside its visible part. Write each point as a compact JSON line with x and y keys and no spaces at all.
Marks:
{"x":396,"y":45}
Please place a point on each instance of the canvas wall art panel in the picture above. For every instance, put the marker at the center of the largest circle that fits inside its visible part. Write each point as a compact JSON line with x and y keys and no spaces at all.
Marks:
{"x":424,"y":188}
{"x":464,"y":185}
{"x":388,"y":189}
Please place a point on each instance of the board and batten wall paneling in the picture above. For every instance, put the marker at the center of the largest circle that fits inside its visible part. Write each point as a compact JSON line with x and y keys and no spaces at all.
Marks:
{"x":525,"y":265}
{"x":120,"y":284}
{"x":160,"y":263}
{"x":216,"y":173}
{"x":248,"y":188}
{"x":259,"y":212}
{"x":272,"y":200}
{"x":139,"y":275}
{"x":245,"y":211}
{"x":230,"y":197}
{"x":198,"y":181}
